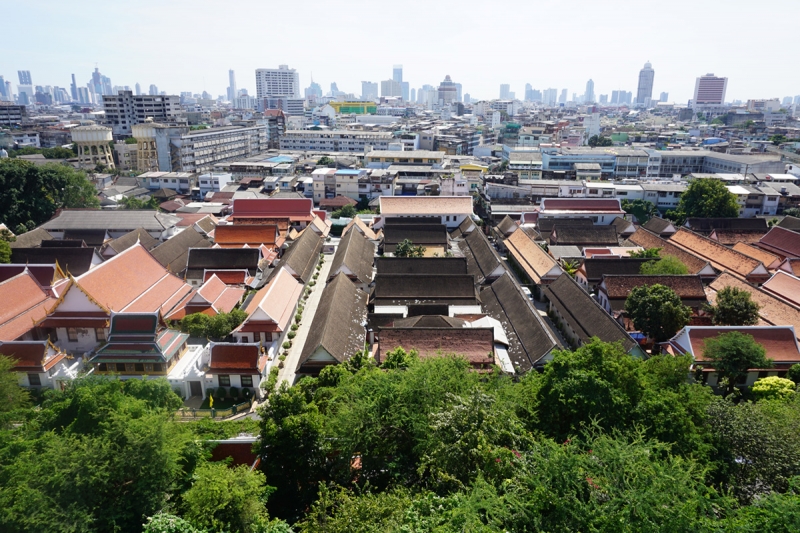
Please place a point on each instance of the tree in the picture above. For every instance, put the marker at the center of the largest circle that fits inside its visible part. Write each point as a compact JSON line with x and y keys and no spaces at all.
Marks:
{"x":599,"y":140}
{"x":570,"y":267}
{"x":641,"y":209}
{"x":732,"y":355}
{"x":773,"y":388}
{"x":707,"y":198}
{"x":669,"y":266}
{"x":794,"y":373}
{"x":6,"y":235}
{"x":226,"y":499}
{"x":399,"y":358}
{"x":646,"y":253}
{"x":406,"y":248}
{"x":657,"y":311}
{"x":5,"y":252}
{"x":734,"y":307}
{"x":347,"y":211}
{"x":131,"y":140}
{"x":195,"y":324}
{"x":167,"y":523}
{"x":130,"y":202}
{"x":778,"y":139}
{"x":12,"y":396}
{"x":326,"y":161}
{"x":792,"y":212}
{"x":217,"y":327}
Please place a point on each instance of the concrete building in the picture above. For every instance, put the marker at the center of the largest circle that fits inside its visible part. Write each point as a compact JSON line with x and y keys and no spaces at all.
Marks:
{"x":447,"y":92}
{"x":644,"y":91}
{"x":12,"y":114}
{"x":588,"y":96}
{"x":232,"y":92}
{"x":94,"y":146}
{"x":335,"y":140}
{"x":369,"y":90}
{"x":281,"y":81}
{"x":391,"y":88}
{"x":125,"y":109}
{"x":710,"y":90}
{"x":178,"y":181}
{"x":213,"y":182}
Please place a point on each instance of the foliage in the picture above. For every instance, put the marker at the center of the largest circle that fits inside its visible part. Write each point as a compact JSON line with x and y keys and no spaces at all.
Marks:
{"x":12,"y":396}
{"x":794,"y":373}
{"x":734,"y":307}
{"x":641,"y":209}
{"x":646,"y":253}
{"x":131,"y":140}
{"x":130,"y":202}
{"x":7,"y":236}
{"x":5,"y":252}
{"x":167,"y":523}
{"x":571,"y":267}
{"x":217,"y":327}
{"x":48,"y":153}
{"x":668,"y":265}
{"x":732,"y":354}
{"x":657,"y":311}
{"x":406,"y":248}
{"x":707,"y":198}
{"x":599,"y":140}
{"x":773,"y":388}
{"x":792,"y":212}
{"x":326,"y":161}
{"x":347,"y":211}
{"x":778,"y":139}
{"x":31,"y":194}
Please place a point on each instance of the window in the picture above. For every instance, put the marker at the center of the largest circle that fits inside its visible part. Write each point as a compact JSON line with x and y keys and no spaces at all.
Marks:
{"x":247,"y":381}
{"x":34,"y":380}
{"x":148,"y":367}
{"x":72,"y":334}
{"x":120,"y":367}
{"x":100,"y":334}
{"x":224,"y":381}
{"x":138,"y":367}
{"x":130,"y":367}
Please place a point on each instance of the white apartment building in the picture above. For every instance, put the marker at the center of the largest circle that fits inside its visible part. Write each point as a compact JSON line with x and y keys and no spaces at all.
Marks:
{"x":335,"y":140}
{"x":282,"y":81}
{"x":177,"y":181}
{"x":213,"y":182}
{"x":200,"y":150}
{"x":125,"y":109}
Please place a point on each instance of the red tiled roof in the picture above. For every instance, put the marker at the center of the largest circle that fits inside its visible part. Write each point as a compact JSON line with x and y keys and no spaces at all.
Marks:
{"x":226,"y":357}
{"x":337,"y":201}
{"x":785,"y":286}
{"x":187,"y":219}
{"x":779,"y":342}
{"x":476,"y":344}
{"x":580,"y":204}
{"x":721,"y":257}
{"x":23,"y":303}
{"x":229,"y":277}
{"x":295,"y":208}
{"x":250,"y":234}
{"x":782,"y":242}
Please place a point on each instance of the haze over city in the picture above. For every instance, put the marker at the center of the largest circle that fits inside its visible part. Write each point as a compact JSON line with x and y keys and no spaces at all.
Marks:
{"x":190,"y":45}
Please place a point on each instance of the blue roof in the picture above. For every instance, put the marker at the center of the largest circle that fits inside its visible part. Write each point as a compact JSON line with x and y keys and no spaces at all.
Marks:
{"x":281,"y":159}
{"x":348,"y":172}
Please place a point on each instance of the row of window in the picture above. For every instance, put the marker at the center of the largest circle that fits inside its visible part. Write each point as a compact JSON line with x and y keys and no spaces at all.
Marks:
{"x":99,"y":334}
{"x":225,"y":381}
{"x":130,"y":368}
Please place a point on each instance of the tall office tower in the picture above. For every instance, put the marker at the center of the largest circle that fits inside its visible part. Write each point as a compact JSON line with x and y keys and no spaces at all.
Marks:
{"x":614,"y":97}
{"x":645,"y":89}
{"x":588,"y":96}
{"x":232,"y":93}
{"x":467,"y":98}
{"x":563,"y":98}
{"x":24,"y":77}
{"x":391,"y":88}
{"x":528,"y":97}
{"x":3,"y":89}
{"x":8,"y":91}
{"x":314,"y":90}
{"x":281,"y":81}
{"x":459,"y":92}
{"x":369,"y":90}
{"x":138,"y":89}
{"x":153,"y":90}
{"x":710,"y":89}
{"x":505,"y":89}
{"x":550,"y":95}
{"x":664,"y":97}
{"x":73,"y":89}
{"x":447,"y":92}
{"x":413,"y":95}
{"x":397,"y":73}
{"x":603,"y":99}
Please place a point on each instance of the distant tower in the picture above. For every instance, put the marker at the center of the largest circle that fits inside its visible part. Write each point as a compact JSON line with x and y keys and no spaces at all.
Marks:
{"x":588,"y":96}
{"x":645,"y":90}
{"x":397,"y":73}
{"x":93,"y":146}
{"x":710,"y":89}
{"x":24,"y":77}
{"x":505,"y":90}
{"x":74,"y":89}
{"x":138,"y":89}
{"x":232,"y":93}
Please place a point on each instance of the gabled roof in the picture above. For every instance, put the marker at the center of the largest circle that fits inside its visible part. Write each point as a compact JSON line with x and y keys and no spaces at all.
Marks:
{"x":780,"y":342}
{"x":463,"y":229}
{"x":475,"y":344}
{"x":706,"y":225}
{"x":721,"y":257}
{"x":337,"y":201}
{"x":597,"y":266}
{"x":24,"y":302}
{"x":274,"y":304}
{"x":338,"y":325}
{"x":201,"y":259}
{"x":111,"y":220}
{"x":32,"y":356}
{"x":788,"y":222}
{"x":584,"y":315}
{"x":581,"y":236}
{"x":75,"y":261}
{"x":174,"y":252}
{"x":46,"y":275}
{"x":767,"y":259}
{"x":354,"y":257}
{"x":419,"y":289}
{"x":214,"y":297}
{"x":784,"y":285}
{"x":421,"y":265}
{"x":92,"y":237}
{"x":234,"y":358}
{"x":425,"y":205}
{"x":237,"y":235}
{"x":429,"y":321}
{"x":529,"y":339}
{"x":507,"y":226}
{"x":419,"y":234}
{"x":295,"y":209}
{"x":729,"y":237}
{"x":302,"y":255}
{"x":362,"y":227}
{"x":689,"y":288}
{"x":781,"y":241}
{"x":624,"y":227}
{"x":536,"y":263}
{"x":660,"y":226}
{"x":140,"y":337}
{"x":646,"y":239}
{"x":482,"y":259}
{"x":31,"y":239}
{"x":588,"y":205}
{"x":129,"y":239}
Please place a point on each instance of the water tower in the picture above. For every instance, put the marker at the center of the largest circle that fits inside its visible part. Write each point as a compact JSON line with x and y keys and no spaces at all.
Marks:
{"x":94,"y":146}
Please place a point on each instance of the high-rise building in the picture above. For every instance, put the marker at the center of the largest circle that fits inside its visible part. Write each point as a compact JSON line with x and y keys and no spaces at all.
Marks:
{"x":467,"y":98}
{"x":73,"y":89}
{"x":645,"y":89}
{"x":459,"y":91}
{"x":369,"y":90}
{"x":232,"y":92}
{"x":313,"y":91}
{"x":281,"y":81}
{"x":664,"y":97}
{"x":505,"y":90}
{"x":138,"y":89}
{"x":588,"y":96}
{"x":710,"y":90}
{"x":397,"y":73}
{"x":391,"y":88}
{"x":603,"y":99}
{"x":3,"y":89}
{"x":153,"y":90}
{"x":551,"y":95}
{"x":413,"y":95}
{"x":447,"y":92}
{"x":563,"y":98}
{"x":123,"y":110}
{"x":24,"y":77}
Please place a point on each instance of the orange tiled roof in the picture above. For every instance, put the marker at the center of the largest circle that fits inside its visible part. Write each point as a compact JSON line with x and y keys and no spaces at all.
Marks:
{"x":23,"y":303}
{"x":250,"y":234}
{"x":646,"y":239}
{"x":721,"y":257}
{"x":766,"y":258}
{"x":534,"y":261}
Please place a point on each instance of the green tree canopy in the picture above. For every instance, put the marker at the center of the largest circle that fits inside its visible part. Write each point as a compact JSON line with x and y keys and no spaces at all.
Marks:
{"x":732,"y":354}
{"x":217,"y":327}
{"x":130,"y":202}
{"x":326,"y":161}
{"x":657,"y":311}
{"x":773,"y":388}
{"x":646,"y":253}
{"x":707,"y":198}
{"x":347,"y":211}
{"x":641,"y":209}
{"x":734,"y":307}
{"x":668,"y":265}
{"x":406,"y":248}
{"x":599,"y":140}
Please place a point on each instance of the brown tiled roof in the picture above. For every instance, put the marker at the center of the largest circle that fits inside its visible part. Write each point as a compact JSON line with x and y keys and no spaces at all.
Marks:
{"x":416,"y":289}
{"x":425,"y":205}
{"x":482,"y":259}
{"x":707,"y":225}
{"x":475,"y":344}
{"x":428,"y":321}
{"x":729,"y":237}
{"x":779,"y":343}
{"x":362,"y":227}
{"x":597,"y":266}
{"x":687,"y":287}
{"x":791,"y":265}
{"x":355,"y":254}
{"x":584,"y":315}
{"x":129,"y":239}
{"x":528,"y":336}
{"x":418,"y":234}
{"x":785,"y":286}
{"x":721,"y":257}
{"x":790,"y":222}
{"x":582,"y":236}
{"x":337,"y":201}
{"x":782,"y":242}
{"x":338,"y":325}
{"x":766,"y":258}
{"x":507,"y":226}
{"x":623,"y":226}
{"x":532,"y":259}
{"x":230,"y":358}
{"x":302,"y":255}
{"x":545,"y":225}
{"x":657,"y":225}
{"x":75,"y":261}
{"x":174,"y":252}
{"x":31,"y":239}
{"x":590,"y":205}
{"x":421,"y":265}
{"x":646,"y":239}
{"x":467,"y":226}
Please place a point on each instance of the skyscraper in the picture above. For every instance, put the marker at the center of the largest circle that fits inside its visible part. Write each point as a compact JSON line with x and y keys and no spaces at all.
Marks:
{"x":710,"y":90}
{"x":3,"y":89}
{"x":153,"y":89}
{"x":664,"y":97}
{"x":447,"y":92}
{"x":588,"y":96}
{"x":391,"y":88}
{"x":397,"y":73}
{"x":505,"y":90}
{"x":369,"y":90}
{"x":232,"y":93}
{"x":645,"y":89}
{"x":563,"y":98}
{"x":314,"y":90}
{"x":138,"y":89}
{"x":24,"y":77}
{"x":282,"y":81}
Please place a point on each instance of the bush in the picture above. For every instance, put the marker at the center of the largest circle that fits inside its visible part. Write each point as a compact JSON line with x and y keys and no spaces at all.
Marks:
{"x":210,"y":392}
{"x":246,"y":392}
{"x":312,"y":283}
{"x":282,"y":358}
{"x":280,"y":364}
{"x":286,"y":345}
{"x":221,"y":392}
{"x":315,"y":276}
{"x":298,"y":317}
{"x":294,"y":327}
{"x":234,"y":392}
{"x":178,"y":391}
{"x":291,"y":334}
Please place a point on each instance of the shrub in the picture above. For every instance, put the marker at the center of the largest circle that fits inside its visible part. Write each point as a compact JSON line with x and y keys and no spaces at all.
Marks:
{"x":315,"y":276}
{"x":178,"y":391}
{"x":294,"y":327}
{"x":246,"y":392}
{"x":234,"y":392}
{"x":312,"y":283}
{"x":286,"y":345}
{"x":282,"y":358}
{"x":291,"y":334}
{"x":298,"y":317}
{"x":220,"y":392}
{"x":210,"y":391}
{"x":280,"y":364}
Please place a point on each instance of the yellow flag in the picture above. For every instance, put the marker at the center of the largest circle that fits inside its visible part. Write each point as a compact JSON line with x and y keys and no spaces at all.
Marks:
{"x":210,"y":401}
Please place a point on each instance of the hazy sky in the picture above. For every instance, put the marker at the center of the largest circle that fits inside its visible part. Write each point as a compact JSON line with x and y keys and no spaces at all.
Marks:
{"x":189,"y":45}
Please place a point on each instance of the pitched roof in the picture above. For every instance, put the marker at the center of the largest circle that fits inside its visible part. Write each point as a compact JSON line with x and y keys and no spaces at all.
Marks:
{"x":425,"y":205}
{"x":646,"y":240}
{"x":689,"y":288}
{"x":31,"y":239}
{"x":419,"y":234}
{"x":707,"y":225}
{"x":659,"y":226}
{"x":275,"y":302}
{"x":234,"y":358}
{"x":482,"y":259}
{"x":45,"y":274}
{"x":467,"y":226}
{"x":766,"y":258}
{"x":337,"y":201}
{"x":624,"y":227}
{"x":507,"y":226}
{"x":173,"y":253}
{"x":23,"y":303}
{"x":295,"y":209}
{"x":338,"y":325}
{"x":429,"y":321}
{"x":536,"y":263}
{"x":354,"y":257}
{"x":129,"y":239}
{"x":32,"y":356}
{"x":528,"y":337}
{"x":420,"y":289}
{"x":112,"y":220}
{"x":589,"y":205}
{"x":729,"y":237}
{"x":237,"y":235}
{"x":596,"y":267}
{"x":790,"y":222}
{"x":782,"y":242}
{"x":302,"y":255}
{"x":475,"y":344}
{"x":780,"y":343}
{"x":92,"y":237}
{"x":75,"y":261}
{"x":581,"y":236}
{"x":545,"y":225}
{"x":721,"y":257}
{"x":584,"y":315}
{"x":362,"y":227}
{"x":784,"y":285}
{"x":223,"y":258}
{"x":421,"y":265}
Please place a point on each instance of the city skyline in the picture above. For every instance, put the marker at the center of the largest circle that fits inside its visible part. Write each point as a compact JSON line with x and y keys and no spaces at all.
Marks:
{"x":131,"y":60}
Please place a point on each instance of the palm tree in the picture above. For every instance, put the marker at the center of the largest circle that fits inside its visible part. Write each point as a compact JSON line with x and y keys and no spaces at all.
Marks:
{"x":571,"y":267}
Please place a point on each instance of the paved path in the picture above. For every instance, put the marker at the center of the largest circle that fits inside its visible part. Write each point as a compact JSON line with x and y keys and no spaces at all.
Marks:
{"x":290,"y":364}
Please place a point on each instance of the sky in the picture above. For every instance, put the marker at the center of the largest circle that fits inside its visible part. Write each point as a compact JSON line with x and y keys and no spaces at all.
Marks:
{"x":189,"y":45}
